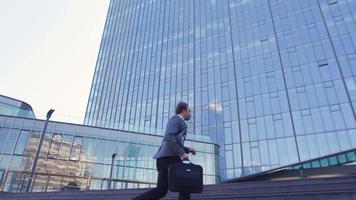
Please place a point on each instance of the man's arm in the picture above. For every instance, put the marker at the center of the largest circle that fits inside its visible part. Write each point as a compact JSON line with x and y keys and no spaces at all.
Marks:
{"x":172,"y":129}
{"x":175,"y":146}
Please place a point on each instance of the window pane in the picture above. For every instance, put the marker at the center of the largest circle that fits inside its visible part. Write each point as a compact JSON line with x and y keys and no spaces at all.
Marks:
{"x":76,"y":148}
{"x":55,"y":144}
{"x":66,"y":145}
{"x":14,"y":182}
{"x":11,"y":139}
{"x":100,"y":150}
{"x":21,"y":142}
{"x":3,"y":136}
{"x":88,"y":146}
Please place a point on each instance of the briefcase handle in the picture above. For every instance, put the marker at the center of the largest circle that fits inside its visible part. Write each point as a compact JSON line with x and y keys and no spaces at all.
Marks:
{"x":186,"y":161}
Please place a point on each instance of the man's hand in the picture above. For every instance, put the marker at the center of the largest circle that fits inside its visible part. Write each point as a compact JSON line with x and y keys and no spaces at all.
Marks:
{"x":192,"y":151}
{"x":185,"y":156}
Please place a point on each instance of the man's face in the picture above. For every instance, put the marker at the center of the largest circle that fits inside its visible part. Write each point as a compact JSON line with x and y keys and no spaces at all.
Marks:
{"x":187,"y":114}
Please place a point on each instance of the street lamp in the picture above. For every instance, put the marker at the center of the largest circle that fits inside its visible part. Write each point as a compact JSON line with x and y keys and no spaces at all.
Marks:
{"x":111,"y":169}
{"x":48,"y":116}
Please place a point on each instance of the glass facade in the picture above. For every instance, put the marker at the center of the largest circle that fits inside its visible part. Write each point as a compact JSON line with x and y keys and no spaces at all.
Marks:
{"x":82,"y":154}
{"x":14,"y":107}
{"x":272,"y":81}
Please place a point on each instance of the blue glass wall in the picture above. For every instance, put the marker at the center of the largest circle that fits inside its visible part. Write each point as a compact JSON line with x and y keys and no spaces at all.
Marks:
{"x":272,"y":81}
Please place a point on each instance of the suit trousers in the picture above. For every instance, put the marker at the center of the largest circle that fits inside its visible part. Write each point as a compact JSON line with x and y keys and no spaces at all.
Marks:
{"x":162,"y":183}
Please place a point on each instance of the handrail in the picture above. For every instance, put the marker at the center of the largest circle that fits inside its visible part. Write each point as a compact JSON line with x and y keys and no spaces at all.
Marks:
{"x":288,"y":166}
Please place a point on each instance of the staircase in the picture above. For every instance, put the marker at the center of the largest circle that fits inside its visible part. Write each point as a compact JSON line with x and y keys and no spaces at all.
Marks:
{"x":341,"y":188}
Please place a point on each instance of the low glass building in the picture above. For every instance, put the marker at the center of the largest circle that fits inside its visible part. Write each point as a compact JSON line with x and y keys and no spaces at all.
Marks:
{"x":14,"y":107}
{"x":83,"y":154}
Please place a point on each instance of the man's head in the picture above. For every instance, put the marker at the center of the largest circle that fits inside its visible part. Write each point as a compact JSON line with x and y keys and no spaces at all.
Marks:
{"x":183,"y":110}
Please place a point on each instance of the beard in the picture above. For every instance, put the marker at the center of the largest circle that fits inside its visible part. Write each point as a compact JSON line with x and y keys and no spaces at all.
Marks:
{"x":187,"y":118}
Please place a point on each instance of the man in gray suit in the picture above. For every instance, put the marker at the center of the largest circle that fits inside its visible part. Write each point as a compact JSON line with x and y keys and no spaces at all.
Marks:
{"x":172,"y":150}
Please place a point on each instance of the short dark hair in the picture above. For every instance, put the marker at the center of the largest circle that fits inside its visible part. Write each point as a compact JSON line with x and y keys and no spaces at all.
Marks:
{"x":180,"y":107}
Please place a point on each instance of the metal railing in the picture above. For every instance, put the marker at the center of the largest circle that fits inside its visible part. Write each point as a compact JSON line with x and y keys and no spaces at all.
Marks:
{"x":339,"y":158}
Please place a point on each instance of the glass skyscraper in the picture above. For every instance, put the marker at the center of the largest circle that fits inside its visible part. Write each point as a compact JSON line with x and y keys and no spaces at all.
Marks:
{"x":272,"y":81}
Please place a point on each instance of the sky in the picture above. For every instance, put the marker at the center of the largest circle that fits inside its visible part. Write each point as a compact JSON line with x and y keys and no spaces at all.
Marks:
{"x":48,"y":52}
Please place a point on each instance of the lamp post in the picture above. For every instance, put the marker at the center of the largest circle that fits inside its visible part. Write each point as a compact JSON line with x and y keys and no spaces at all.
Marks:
{"x":48,"y":116}
{"x":111,"y":169}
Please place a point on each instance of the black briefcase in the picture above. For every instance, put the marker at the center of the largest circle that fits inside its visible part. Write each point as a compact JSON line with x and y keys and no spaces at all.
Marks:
{"x":185,"y":177}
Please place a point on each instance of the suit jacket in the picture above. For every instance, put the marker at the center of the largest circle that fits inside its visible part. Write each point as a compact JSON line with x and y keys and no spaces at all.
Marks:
{"x":173,"y":140}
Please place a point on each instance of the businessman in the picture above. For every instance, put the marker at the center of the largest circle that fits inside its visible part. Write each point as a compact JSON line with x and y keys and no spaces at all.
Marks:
{"x":172,"y":151}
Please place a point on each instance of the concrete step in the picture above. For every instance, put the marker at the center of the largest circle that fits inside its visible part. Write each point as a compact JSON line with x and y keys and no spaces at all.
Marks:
{"x":333,"y":188}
